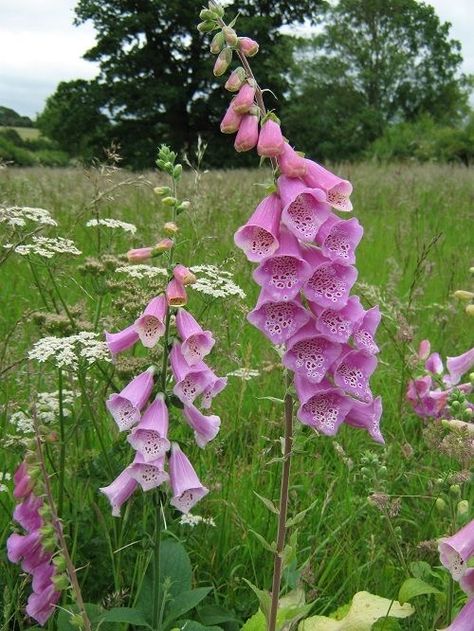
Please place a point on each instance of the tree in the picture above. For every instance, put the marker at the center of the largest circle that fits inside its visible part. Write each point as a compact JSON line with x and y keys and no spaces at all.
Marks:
{"x":10,"y":118}
{"x":155,"y":70}
{"x":376,"y":62}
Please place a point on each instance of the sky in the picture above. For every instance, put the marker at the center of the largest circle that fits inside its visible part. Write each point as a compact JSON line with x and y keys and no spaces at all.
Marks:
{"x":40,"y":46}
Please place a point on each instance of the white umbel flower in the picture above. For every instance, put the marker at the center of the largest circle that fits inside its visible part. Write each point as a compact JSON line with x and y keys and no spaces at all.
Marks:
{"x":19,"y":215}
{"x":113,"y":224}
{"x":70,"y":352}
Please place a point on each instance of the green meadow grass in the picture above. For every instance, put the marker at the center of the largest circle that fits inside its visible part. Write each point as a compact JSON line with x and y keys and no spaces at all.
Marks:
{"x":26,"y":133}
{"x":415,"y":252}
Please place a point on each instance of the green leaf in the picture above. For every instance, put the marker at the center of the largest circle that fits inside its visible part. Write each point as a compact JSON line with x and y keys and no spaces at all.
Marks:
{"x":184,"y":602}
{"x":126,"y":614}
{"x":300,"y":516}
{"x":271,"y":547}
{"x":256,"y":623}
{"x":213,"y":614}
{"x":413,"y":587}
{"x":192,"y":625}
{"x":93,"y":611}
{"x":264,"y":598}
{"x":268,"y":503}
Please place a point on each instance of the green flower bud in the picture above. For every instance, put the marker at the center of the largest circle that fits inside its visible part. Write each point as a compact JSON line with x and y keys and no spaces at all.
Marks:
{"x":206,"y":27}
{"x":230,"y":35}
{"x":76,"y":620}
{"x":216,"y":8}
{"x":455,"y":491}
{"x":218,"y":43}
{"x":60,"y":563}
{"x":463,"y":509}
{"x":440,"y":505}
{"x":49,"y":544}
{"x":45,"y":512}
{"x":169,"y":201}
{"x":47,"y":531}
{"x":207,"y":15}
{"x":183,"y":206}
{"x":177,"y":171}
{"x":223,"y":61}
{"x":162,"y":190}
{"x":60,"y":582}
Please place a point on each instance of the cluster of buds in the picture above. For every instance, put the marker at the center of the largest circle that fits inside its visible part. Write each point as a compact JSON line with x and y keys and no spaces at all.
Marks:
{"x":467,"y":297}
{"x":194,"y":381}
{"x":36,"y":549}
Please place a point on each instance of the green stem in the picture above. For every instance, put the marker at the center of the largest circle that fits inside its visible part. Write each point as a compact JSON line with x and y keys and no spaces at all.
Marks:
{"x":397,"y":545}
{"x":95,"y":423}
{"x":156,"y":564}
{"x":98,"y":310}
{"x":38,"y":285}
{"x":62,"y":450}
{"x":449,"y":603}
{"x":61,"y":300}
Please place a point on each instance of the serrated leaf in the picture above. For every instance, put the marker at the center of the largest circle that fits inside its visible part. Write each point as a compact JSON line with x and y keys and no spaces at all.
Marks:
{"x":413,"y":587}
{"x":270,"y":547}
{"x":268,"y":503}
{"x":126,"y":614}
{"x":184,"y":602}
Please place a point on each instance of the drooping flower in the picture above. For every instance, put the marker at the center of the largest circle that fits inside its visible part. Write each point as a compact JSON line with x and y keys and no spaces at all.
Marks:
{"x":150,"y":326}
{"x":23,"y":483}
{"x":231,"y":120}
{"x":26,"y":514}
{"x":138,"y":255}
{"x":338,"y":191}
{"x":149,"y":437}
{"x":340,"y":325}
{"x":40,"y":606}
{"x":353,"y":372}
{"x":122,"y":340}
{"x":176,"y":294}
{"x":247,"y":135}
{"x":463,"y":621}
{"x":125,"y":406}
{"x":434,"y":364}
{"x":304,"y":209}
{"x":339,"y":238}
{"x":244,"y":99}
{"x":291,"y":163}
{"x":310,"y":354}
{"x":331,"y":283}
{"x":186,"y":486}
{"x":455,"y":551}
{"x":458,"y":366}
{"x":322,"y":406}
{"x":278,"y":320}
{"x":119,"y":491}
{"x":191,"y":381}
{"x":149,"y":474}
{"x":196,"y":343}
{"x":258,"y":238}
{"x":466,"y":582}
{"x":366,"y":416}
{"x":247,"y":46}
{"x":270,"y":141}
{"x":364,"y":335}
{"x":184,"y":275}
{"x":205,"y":427}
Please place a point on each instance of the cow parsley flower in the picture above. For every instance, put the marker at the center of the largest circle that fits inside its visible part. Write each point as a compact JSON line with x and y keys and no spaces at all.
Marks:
{"x":142,"y":271}
{"x":216,"y":282}
{"x":67,"y":352}
{"x":246,"y":374}
{"x":22,"y":422}
{"x":45,"y":247}
{"x":4,"y":477}
{"x":194,"y":520}
{"x":18,"y":216}
{"x":113,"y":224}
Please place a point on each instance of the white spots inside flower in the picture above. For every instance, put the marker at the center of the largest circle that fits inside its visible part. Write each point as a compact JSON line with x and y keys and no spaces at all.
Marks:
{"x":302,"y":217}
{"x":70,"y":352}
{"x":194,"y":350}
{"x":323,"y":411}
{"x":246,"y":374}
{"x":194,"y":520}
{"x":113,"y":224}
{"x":141,"y":271}
{"x":326,"y":284}
{"x":124,"y":413}
{"x":283,"y":271}
{"x":260,"y":242}
{"x":215,"y":282}
{"x":353,"y":377}
{"x":148,"y":476}
{"x":310,"y":359}
{"x":337,"y":243}
{"x":151,"y":443}
{"x":336,"y":324}
{"x":45,"y":247}
{"x":457,"y":565}
{"x":365,"y":340}
{"x":150,"y":329}
{"x":279,"y":319}
{"x":17,"y":216}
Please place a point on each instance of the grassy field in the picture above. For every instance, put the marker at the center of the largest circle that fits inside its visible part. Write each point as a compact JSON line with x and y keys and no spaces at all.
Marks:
{"x":416,"y":251}
{"x":26,"y":133}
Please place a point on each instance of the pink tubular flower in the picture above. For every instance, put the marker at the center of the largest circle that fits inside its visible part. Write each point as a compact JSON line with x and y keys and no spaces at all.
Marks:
{"x":41,"y":605}
{"x":283,"y":274}
{"x":150,"y":326}
{"x":231,"y":121}
{"x":323,"y":407}
{"x":205,"y":427}
{"x":270,"y":141}
{"x":366,"y":416}
{"x":22,"y":482}
{"x":138,"y":255}
{"x":244,"y":99}
{"x":122,"y":340}
{"x":337,"y":190}
{"x":247,"y":136}
{"x":458,"y":366}
{"x":258,"y":238}
{"x":418,"y":395}
{"x":434,"y":364}
{"x":309,"y":354}
{"x":353,"y":372}
{"x":466,"y":582}
{"x":24,"y":547}
{"x":196,"y":342}
{"x":191,"y":381}
{"x":291,"y":163}
{"x":176,"y":294}
{"x":424,"y":350}
{"x":125,"y":407}
{"x":331,"y":283}
{"x":186,"y":486}
{"x":215,"y":386}
{"x":149,"y":437}
{"x":235,"y":80}
{"x":26,"y":514}
{"x":42,"y":575}
{"x":339,"y":325}
{"x":455,"y":551}
{"x":463,"y":621}
{"x":278,"y":320}
{"x":365,"y":331}
{"x":119,"y":491}
{"x":148,"y":474}
{"x":164,"y":245}
{"x":339,"y":238}
{"x":247,"y":46}
{"x":304,"y":209}
{"x":184,"y":275}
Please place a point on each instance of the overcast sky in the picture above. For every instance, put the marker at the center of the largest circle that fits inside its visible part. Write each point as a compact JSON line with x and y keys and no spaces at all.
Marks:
{"x":39,"y":47}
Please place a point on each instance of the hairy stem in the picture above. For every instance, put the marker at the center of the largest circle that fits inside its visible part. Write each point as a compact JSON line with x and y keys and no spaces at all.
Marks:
{"x":156,"y":564}
{"x":61,"y":299}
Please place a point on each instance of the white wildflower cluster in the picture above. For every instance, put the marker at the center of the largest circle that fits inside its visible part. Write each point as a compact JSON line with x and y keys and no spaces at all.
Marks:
{"x":22,"y":422}
{"x":67,"y":352}
{"x":216,"y":282}
{"x":4,"y":477}
{"x":142,"y":271}
{"x":244,"y":373}
{"x":19,"y":215}
{"x":47,"y":411}
{"x":45,"y":247}
{"x":113,"y":224}
{"x":194,"y":520}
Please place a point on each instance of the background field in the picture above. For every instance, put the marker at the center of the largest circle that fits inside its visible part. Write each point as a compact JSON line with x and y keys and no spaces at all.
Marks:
{"x":350,"y":544}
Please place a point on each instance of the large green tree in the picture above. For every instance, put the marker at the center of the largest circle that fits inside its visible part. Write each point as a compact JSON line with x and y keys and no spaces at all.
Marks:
{"x":376,"y":62}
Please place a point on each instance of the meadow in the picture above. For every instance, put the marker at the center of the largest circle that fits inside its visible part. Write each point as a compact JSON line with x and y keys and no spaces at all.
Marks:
{"x":415,"y":253}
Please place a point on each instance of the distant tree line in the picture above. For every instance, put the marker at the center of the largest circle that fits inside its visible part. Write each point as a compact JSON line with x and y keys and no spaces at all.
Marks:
{"x":10,"y":118}
{"x":373,"y":67}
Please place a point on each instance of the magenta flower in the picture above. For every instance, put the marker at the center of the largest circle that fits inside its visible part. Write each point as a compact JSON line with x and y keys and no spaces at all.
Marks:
{"x":419,"y":396}
{"x":119,"y":491}
{"x":196,"y":342}
{"x":231,"y":121}
{"x":41,"y":605}
{"x":121,"y":341}
{"x":138,"y":255}
{"x":270,"y":141}
{"x":309,"y":354}
{"x":258,"y":238}
{"x":247,"y":136}
{"x":125,"y":407}
{"x":21,"y":547}
{"x":149,"y":437}
{"x":244,"y":99}
{"x":150,"y":326}
{"x":339,"y":238}
{"x":366,"y":416}
{"x":247,"y":46}
{"x":23,"y":484}
{"x":463,"y":621}
{"x":186,"y":486}
{"x":184,"y":275}
{"x":26,"y":514}
{"x":215,"y":386}
{"x":285,"y":272}
{"x":42,"y":575}
{"x":338,"y":191}
{"x":330,"y":283}
{"x":353,"y":372}
{"x":458,"y":366}
{"x":424,"y":349}
{"x":304,"y":209}
{"x":323,"y":407}
{"x":434,"y":364}
{"x":278,"y":320}
{"x":148,"y":474}
{"x":455,"y":551}
{"x":466,"y":582}
{"x":365,"y":331}
{"x":176,"y":294}
{"x":191,"y":381}
{"x":205,"y":427}
{"x":339,"y":325}
{"x":291,"y":163}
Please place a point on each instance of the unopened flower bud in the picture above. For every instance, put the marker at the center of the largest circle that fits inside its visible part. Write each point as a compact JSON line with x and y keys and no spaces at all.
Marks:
{"x":216,"y":8}
{"x":162,"y":190}
{"x":440,"y":505}
{"x":207,"y":15}
{"x":170,"y":228}
{"x":206,"y":27}
{"x":178,"y":169}
{"x":470,"y":310}
{"x":60,"y":563}
{"x":223,"y":61}
{"x":460,"y":294}
{"x":49,"y":544}
{"x":455,"y":490}
{"x":163,"y":245}
{"x":176,"y":294}
{"x":169,"y":201}
{"x":462,"y":510}
{"x":230,"y":35}
{"x":218,"y":43}
{"x":247,"y":46}
{"x":138,"y":255}
{"x":60,"y":582}
{"x":184,"y":275}
{"x":76,"y":620}
{"x":34,"y":472}
{"x":247,"y":136}
{"x":235,"y":80}
{"x":231,"y":121}
{"x":45,"y":512}
{"x":186,"y":205}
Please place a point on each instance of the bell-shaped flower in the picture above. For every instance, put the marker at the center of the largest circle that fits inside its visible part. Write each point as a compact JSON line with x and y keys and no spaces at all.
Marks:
{"x":458,"y":366}
{"x":205,"y":427}
{"x":191,"y":381}
{"x":215,"y":386}
{"x":258,"y":238}
{"x":270,"y":141}
{"x":139,"y":255}
{"x":309,"y":354}
{"x":176,"y":293}
{"x":353,"y":371}
{"x":323,"y":407}
{"x":148,"y":474}
{"x":119,"y":491}
{"x":26,"y":514}
{"x":284,"y":273}
{"x":21,"y":547}
{"x":338,"y":325}
{"x":419,"y":396}
{"x":41,"y":606}
{"x":23,"y":484}
{"x":196,"y":343}
{"x":235,"y":80}
{"x":365,"y":331}
{"x":466,"y":582}
{"x":247,"y":46}
{"x":304,"y":209}
{"x":149,"y":437}
{"x":247,"y":136}
{"x":291,"y":163}
{"x":339,"y":239}
{"x":434,"y":364}
{"x":231,"y":121}
{"x":42,"y":576}
{"x":34,"y":558}
{"x":244,"y":99}
{"x":367,"y":416}
{"x":338,"y":191}
{"x":330,"y":283}
{"x":125,"y":407}
{"x":278,"y":320}
{"x":424,"y":350}
{"x":455,"y":551}
{"x":150,"y":326}
{"x":122,"y":340}
{"x":464,"y":619}
{"x":185,"y":484}
{"x":184,"y":275}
